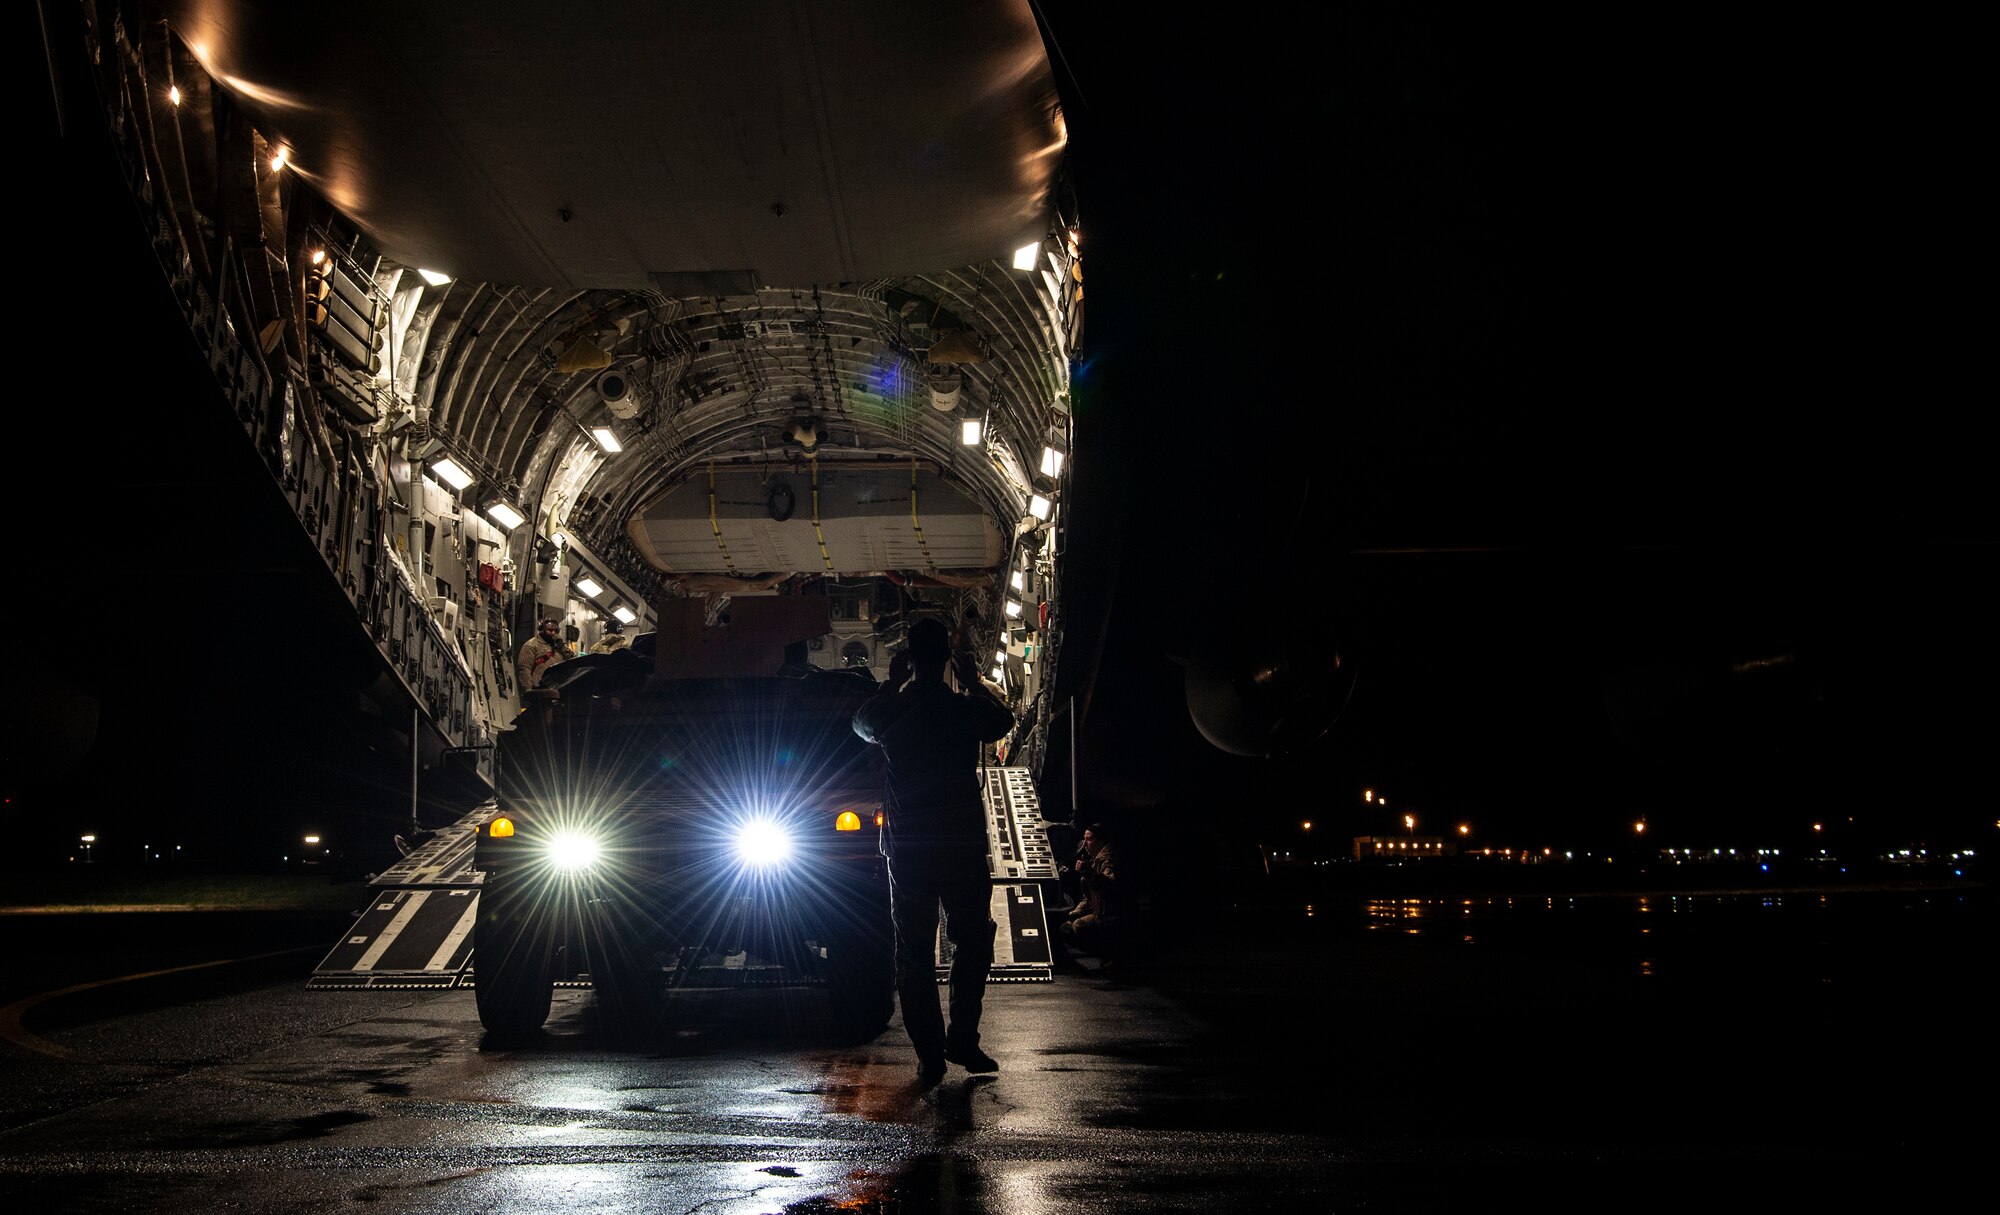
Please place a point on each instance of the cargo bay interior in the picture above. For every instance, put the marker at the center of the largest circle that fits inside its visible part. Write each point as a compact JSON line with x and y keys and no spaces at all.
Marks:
{"x":548,"y":329}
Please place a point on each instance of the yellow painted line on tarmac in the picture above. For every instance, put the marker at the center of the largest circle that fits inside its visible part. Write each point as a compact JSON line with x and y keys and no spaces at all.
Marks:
{"x":13,"y":1031}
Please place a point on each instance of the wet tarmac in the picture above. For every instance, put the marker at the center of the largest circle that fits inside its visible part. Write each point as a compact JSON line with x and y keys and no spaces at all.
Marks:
{"x":1406,"y":1054}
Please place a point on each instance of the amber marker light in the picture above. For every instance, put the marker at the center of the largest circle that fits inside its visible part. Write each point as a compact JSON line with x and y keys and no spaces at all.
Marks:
{"x":500,"y":828}
{"x":878,"y":818}
{"x":848,"y":821}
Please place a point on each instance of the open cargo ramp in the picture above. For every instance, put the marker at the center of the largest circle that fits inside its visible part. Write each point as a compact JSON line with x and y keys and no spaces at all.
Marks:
{"x":417,"y":930}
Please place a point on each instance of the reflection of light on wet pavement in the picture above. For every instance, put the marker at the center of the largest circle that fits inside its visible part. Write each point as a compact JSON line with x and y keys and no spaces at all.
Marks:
{"x":1032,"y":1189}
{"x":744,"y":1187}
{"x":866,"y":1087}
{"x":558,"y":1188}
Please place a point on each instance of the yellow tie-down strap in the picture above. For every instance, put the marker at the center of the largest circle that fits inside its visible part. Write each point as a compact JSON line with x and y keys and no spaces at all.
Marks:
{"x":816,"y":529}
{"x":714,"y":525}
{"x":915,"y":522}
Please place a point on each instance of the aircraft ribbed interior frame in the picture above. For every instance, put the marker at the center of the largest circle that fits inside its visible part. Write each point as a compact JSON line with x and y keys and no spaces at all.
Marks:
{"x":337,"y":294}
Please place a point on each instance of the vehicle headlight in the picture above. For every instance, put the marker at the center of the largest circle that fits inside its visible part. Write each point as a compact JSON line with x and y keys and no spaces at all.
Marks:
{"x":762,"y":843}
{"x":572,"y":851}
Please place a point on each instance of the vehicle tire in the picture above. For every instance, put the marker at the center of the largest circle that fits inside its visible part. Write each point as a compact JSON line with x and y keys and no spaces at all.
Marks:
{"x":626,"y":972}
{"x":513,"y":963}
{"x":860,"y":967}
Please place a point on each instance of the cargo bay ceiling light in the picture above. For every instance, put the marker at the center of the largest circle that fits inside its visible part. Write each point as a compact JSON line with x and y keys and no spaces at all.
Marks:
{"x":625,"y":615}
{"x":448,"y":468}
{"x":1051,"y":462}
{"x":1024,"y":257}
{"x":969,"y":432}
{"x":1038,"y":506}
{"x":606,"y":439}
{"x":589,"y":587}
{"x":502,"y":512}
{"x":433,"y":277}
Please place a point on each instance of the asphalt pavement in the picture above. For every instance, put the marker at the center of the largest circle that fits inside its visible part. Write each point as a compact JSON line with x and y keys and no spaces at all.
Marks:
{"x":1408,"y":1053}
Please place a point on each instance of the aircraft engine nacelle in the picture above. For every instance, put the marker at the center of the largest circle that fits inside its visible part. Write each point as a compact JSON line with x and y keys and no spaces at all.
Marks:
{"x":1265,"y":696}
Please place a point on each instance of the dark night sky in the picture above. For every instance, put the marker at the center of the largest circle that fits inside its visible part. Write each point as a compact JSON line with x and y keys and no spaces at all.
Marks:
{"x":1631,"y":331}
{"x":1593,"y":392}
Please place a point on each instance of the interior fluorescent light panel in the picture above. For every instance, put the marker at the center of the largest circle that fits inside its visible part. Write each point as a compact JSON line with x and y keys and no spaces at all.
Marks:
{"x":454,"y":476}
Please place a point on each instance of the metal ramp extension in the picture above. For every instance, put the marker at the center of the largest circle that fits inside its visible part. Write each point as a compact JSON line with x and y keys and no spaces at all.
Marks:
{"x":417,"y":931}
{"x":1018,"y":859}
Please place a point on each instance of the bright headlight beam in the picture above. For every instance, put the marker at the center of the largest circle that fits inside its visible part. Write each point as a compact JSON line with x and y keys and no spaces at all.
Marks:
{"x":762,"y":843}
{"x":571,"y":851}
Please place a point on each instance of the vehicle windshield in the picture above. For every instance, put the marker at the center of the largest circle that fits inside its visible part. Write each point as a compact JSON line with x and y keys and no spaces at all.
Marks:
{"x":776,"y":736}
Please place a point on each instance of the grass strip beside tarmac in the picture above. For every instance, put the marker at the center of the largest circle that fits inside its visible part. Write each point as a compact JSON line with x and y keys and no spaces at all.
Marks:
{"x":68,"y":892}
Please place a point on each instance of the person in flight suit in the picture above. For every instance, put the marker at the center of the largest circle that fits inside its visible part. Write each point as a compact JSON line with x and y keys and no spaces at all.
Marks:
{"x":538,"y":654}
{"x":935,"y":839}
{"x":1097,"y":921}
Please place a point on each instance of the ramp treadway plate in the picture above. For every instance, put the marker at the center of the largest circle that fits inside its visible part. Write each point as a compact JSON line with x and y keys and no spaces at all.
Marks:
{"x":418,"y":930}
{"x":1017,"y":841}
{"x":444,"y":860}
{"x":1021,"y":946}
{"x":407,"y":938}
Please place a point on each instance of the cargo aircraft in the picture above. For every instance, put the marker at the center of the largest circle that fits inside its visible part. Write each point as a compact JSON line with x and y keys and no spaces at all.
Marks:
{"x":738,"y":337}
